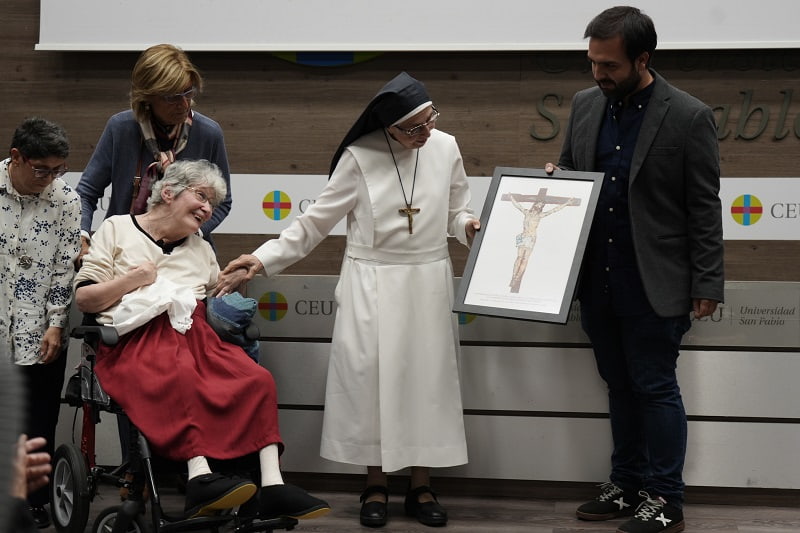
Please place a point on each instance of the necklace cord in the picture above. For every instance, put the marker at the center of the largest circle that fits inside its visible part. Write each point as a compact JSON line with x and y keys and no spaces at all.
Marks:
{"x":410,"y":202}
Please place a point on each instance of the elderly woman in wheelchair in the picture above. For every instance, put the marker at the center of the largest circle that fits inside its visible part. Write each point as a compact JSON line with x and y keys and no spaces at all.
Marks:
{"x":192,"y":395}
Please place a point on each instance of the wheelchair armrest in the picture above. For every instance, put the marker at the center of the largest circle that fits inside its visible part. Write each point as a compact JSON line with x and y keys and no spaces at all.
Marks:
{"x":93,"y":334}
{"x":251,"y":332}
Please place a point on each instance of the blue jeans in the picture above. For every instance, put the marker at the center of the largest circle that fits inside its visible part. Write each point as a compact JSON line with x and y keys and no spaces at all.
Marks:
{"x":637,"y":357}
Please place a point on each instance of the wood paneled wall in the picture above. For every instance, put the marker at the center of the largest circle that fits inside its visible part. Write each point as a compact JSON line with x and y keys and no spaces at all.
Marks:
{"x":280,"y":117}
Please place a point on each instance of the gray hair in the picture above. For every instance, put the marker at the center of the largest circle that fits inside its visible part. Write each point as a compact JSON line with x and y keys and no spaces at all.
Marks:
{"x":183,"y":174}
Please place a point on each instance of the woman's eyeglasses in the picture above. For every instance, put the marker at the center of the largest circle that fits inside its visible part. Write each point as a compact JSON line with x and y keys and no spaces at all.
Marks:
{"x":416,"y":130}
{"x":174,"y":98}
{"x":200,"y":195}
{"x":41,"y":173}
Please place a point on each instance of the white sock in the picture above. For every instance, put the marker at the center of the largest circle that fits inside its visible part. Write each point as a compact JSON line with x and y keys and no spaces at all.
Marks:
{"x":198,"y":466}
{"x":270,"y":466}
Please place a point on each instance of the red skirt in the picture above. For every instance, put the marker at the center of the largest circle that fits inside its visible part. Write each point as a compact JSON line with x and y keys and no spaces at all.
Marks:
{"x":191,"y":394}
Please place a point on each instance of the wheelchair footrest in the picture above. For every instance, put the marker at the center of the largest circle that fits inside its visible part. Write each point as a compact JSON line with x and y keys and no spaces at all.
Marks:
{"x":272,"y":524}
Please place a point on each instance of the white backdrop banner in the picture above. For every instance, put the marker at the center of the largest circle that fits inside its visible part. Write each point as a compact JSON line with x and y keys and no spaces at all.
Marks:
{"x":267,"y":203}
{"x":752,"y":208}
{"x":760,"y":208}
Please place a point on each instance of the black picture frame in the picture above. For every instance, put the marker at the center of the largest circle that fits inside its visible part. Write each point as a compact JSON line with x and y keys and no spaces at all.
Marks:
{"x":525,"y":261}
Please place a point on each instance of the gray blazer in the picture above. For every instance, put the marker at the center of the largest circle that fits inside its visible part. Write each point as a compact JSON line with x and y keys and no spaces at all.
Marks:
{"x":676,"y":216}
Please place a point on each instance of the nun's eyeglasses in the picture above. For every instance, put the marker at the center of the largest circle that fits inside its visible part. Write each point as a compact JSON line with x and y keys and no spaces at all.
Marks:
{"x":416,"y":130}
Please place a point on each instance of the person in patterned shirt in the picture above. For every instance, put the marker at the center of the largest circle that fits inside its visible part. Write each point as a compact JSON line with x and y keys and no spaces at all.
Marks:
{"x":39,"y":242}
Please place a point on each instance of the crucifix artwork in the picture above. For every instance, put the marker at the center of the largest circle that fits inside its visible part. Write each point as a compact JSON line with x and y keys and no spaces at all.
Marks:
{"x":532,"y":216}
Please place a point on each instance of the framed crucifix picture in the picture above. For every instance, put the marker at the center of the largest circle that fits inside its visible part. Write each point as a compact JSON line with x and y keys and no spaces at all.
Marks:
{"x":525,"y":260}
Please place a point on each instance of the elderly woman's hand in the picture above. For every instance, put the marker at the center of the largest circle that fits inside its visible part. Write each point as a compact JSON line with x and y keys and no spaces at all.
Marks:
{"x":144,"y":274}
{"x":237,"y":273}
{"x":97,"y":297}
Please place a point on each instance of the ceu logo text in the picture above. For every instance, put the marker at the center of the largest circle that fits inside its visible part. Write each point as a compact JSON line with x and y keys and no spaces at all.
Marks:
{"x":272,"y":306}
{"x":276,"y":205}
{"x":746,"y":210}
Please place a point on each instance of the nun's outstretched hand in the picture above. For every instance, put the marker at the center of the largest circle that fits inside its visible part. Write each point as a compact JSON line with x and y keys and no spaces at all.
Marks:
{"x":237,"y":273}
{"x":473,"y":226}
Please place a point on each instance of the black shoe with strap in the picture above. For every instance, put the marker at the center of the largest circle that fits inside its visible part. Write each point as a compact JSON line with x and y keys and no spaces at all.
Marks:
{"x":427,"y":513}
{"x":208,"y":493}
{"x":373,"y":513}
{"x":290,"y":501}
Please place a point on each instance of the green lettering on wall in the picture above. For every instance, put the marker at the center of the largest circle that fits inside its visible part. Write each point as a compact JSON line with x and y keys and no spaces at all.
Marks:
{"x":751,"y":123}
{"x":722,"y":120}
{"x":541,"y":107}
{"x":780,"y":130}
{"x":747,"y":113}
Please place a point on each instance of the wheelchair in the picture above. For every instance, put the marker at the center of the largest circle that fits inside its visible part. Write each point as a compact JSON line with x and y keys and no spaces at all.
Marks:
{"x":76,"y":477}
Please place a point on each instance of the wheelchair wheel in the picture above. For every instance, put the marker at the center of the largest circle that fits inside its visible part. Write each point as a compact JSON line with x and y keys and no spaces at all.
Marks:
{"x":104,"y":523}
{"x":69,"y":490}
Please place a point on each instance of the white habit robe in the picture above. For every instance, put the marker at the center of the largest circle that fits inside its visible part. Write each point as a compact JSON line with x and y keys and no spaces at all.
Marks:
{"x":393,"y":396}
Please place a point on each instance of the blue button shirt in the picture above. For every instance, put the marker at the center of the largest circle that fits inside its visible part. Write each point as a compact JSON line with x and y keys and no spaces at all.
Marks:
{"x":611,"y":275}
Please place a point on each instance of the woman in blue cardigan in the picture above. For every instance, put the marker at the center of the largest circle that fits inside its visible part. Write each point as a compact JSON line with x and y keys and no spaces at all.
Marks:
{"x":138,"y":144}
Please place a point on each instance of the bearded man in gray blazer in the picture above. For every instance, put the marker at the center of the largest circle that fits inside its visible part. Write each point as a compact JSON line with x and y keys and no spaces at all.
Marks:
{"x":655,"y":254}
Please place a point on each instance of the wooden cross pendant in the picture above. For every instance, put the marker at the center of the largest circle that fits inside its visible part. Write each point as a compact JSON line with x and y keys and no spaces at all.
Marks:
{"x":409,"y":212}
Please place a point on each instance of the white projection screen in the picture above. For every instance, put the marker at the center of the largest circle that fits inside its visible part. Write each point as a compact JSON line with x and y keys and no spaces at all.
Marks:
{"x":409,"y":25}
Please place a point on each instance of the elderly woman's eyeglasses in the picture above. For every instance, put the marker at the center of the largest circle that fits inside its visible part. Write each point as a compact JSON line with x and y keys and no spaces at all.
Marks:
{"x":416,"y":130}
{"x":200,"y":195}
{"x":41,"y":173}
{"x":185,"y":95}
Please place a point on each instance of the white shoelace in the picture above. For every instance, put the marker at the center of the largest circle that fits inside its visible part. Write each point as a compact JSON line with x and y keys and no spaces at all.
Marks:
{"x":610,"y":490}
{"x":649,"y":507}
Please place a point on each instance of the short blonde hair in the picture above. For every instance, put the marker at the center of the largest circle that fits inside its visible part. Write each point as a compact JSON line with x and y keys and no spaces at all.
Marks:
{"x":161,"y":69}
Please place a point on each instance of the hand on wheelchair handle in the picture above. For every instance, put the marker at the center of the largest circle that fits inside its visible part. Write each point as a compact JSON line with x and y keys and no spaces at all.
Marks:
{"x":85,"y":244}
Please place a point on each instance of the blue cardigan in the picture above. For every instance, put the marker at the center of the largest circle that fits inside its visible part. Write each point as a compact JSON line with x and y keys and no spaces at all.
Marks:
{"x":115,"y":162}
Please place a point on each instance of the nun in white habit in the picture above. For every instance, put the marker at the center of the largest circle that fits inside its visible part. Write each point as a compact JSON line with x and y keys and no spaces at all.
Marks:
{"x":393,"y":397}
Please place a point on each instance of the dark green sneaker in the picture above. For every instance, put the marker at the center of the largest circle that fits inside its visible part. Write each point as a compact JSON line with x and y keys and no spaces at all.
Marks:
{"x":654,"y":515}
{"x":612,"y":502}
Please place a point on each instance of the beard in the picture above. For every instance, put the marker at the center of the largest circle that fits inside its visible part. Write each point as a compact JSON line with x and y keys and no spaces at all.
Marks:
{"x":619,"y":90}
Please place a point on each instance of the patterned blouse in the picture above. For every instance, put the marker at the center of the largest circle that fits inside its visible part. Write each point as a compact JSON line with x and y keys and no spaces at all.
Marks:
{"x":39,"y":241}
